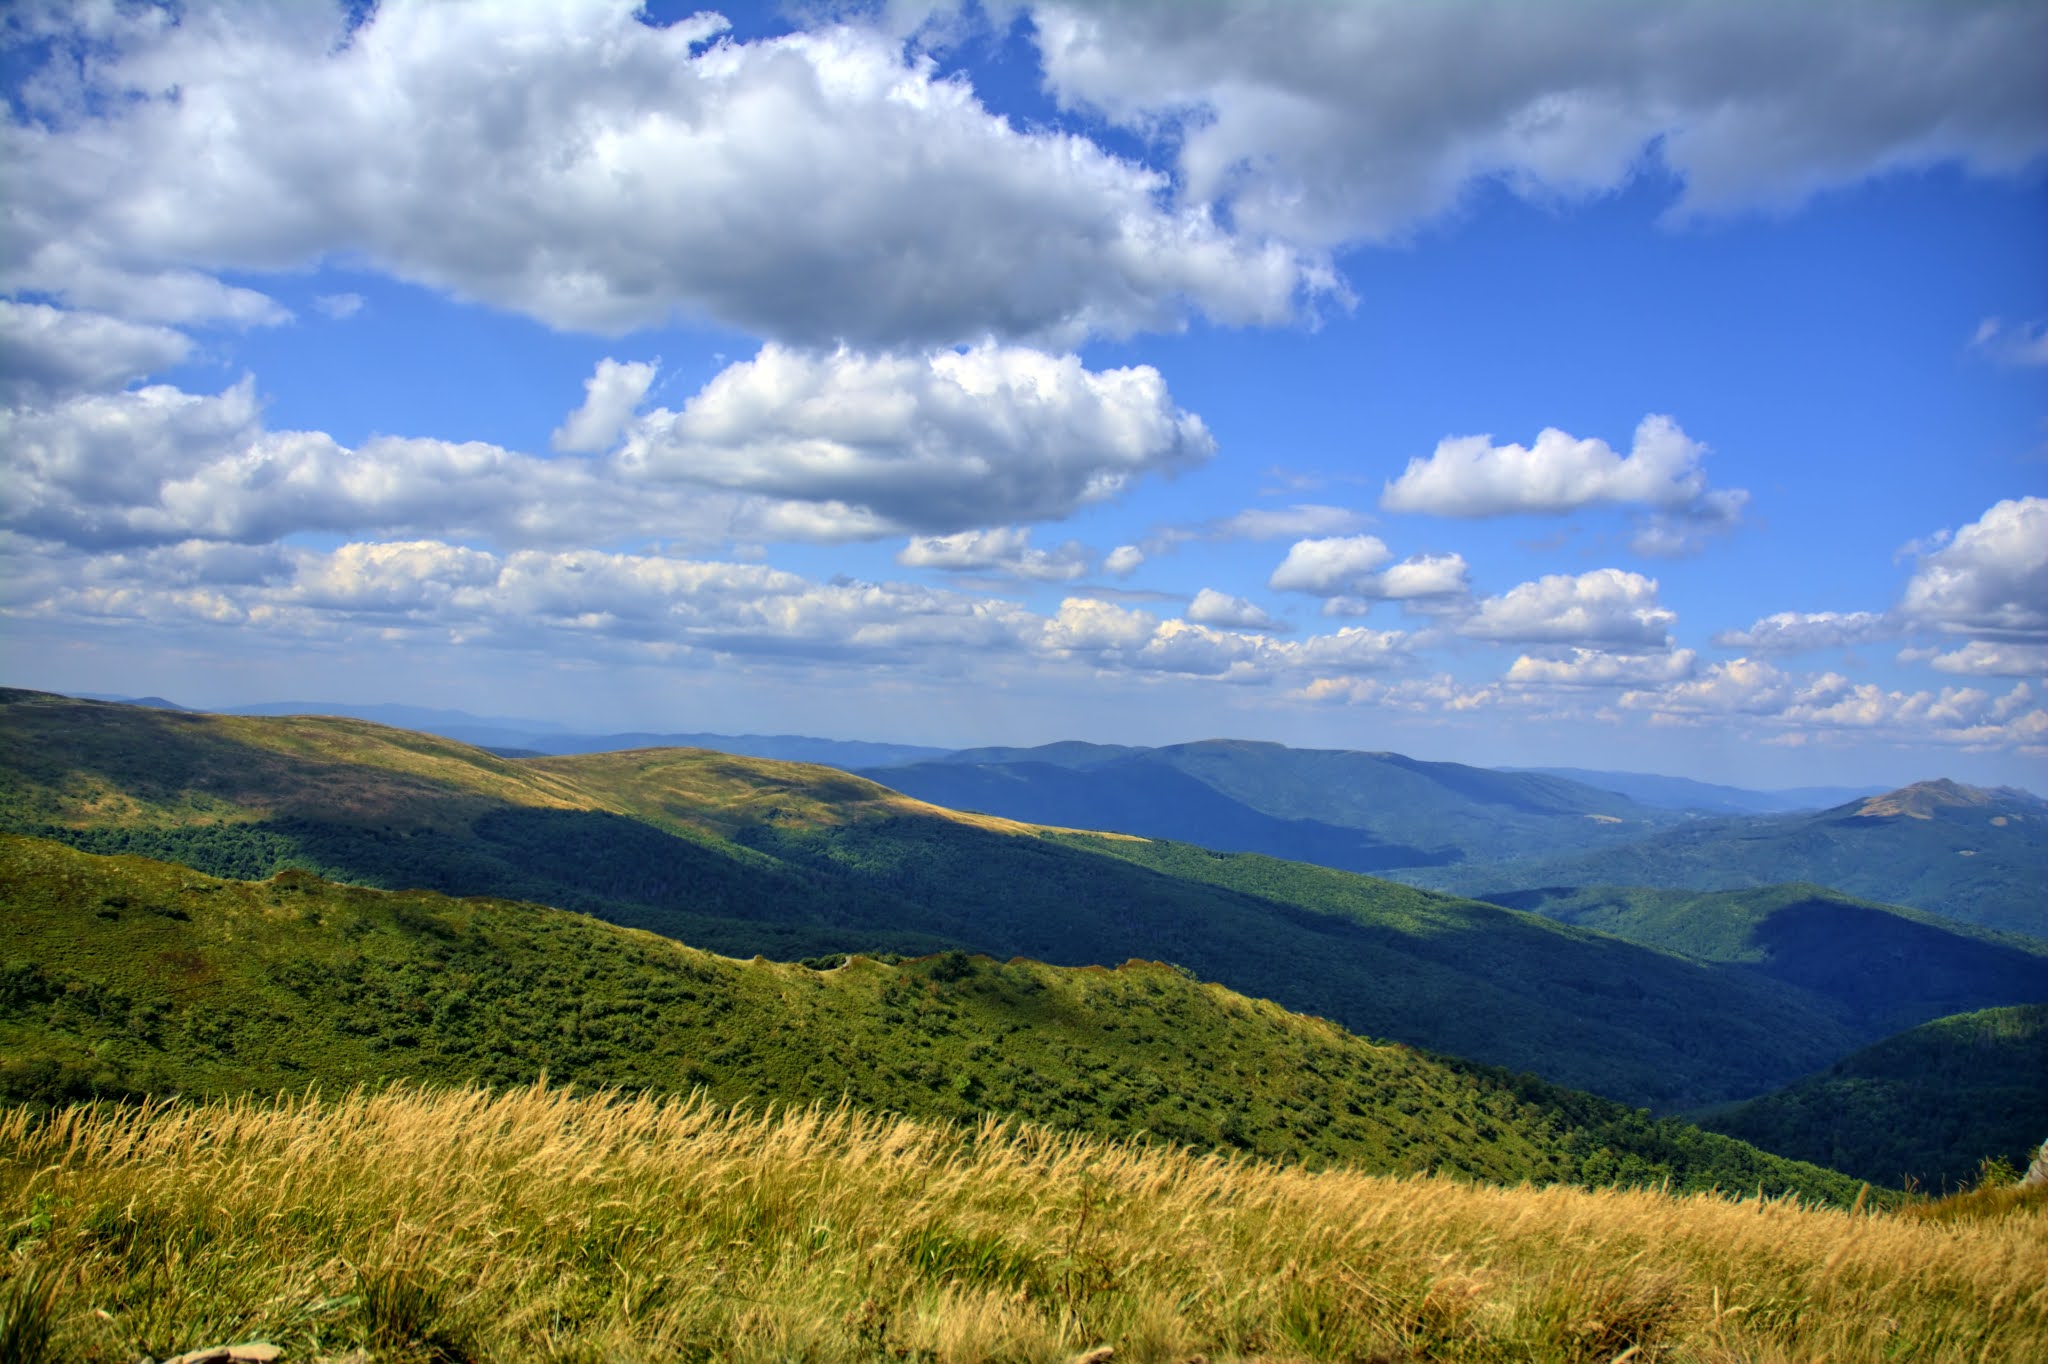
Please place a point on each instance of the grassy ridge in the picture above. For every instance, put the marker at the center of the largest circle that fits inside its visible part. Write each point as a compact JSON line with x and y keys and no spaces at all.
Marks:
{"x":1929,"y":1105}
{"x":745,"y":856}
{"x":123,"y":976}
{"x":538,"y":1226}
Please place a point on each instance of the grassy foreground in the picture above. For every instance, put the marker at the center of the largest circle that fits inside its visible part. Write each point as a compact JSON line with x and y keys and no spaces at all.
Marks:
{"x":455,"y":1225}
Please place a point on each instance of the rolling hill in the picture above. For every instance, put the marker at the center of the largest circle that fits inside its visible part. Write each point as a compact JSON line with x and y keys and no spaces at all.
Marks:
{"x":1964,"y":852}
{"x":126,"y":976}
{"x":1927,"y":1105}
{"x":746,"y":856}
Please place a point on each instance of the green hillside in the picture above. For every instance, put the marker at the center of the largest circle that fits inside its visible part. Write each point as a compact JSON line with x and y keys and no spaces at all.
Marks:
{"x":1929,"y":1104}
{"x":124,"y":976}
{"x":1884,"y":967}
{"x":1966,"y":853}
{"x":745,"y":856}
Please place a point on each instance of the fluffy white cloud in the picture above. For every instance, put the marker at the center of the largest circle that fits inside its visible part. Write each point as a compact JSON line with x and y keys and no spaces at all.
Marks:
{"x":1826,"y":705}
{"x":1598,"y":668}
{"x":931,"y":443}
{"x":1424,"y":582}
{"x":528,"y":599}
{"x":1112,"y":636}
{"x":610,"y":396}
{"x":1088,"y":625}
{"x":1982,"y":658}
{"x":1471,"y":476}
{"x":1990,"y":579}
{"x":575,"y":163}
{"x":1738,"y":686}
{"x":1606,"y":608}
{"x":794,"y":447}
{"x":1792,"y":632}
{"x":162,"y":465}
{"x":1211,"y":607}
{"x":1420,"y":695}
{"x":46,"y":352}
{"x":1123,"y":561}
{"x":2014,"y":343}
{"x":1331,"y":566}
{"x":1336,"y":122}
{"x":1005,"y":552}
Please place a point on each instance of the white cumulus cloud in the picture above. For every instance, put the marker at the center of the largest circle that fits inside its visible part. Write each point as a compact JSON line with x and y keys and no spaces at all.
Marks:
{"x":1330,"y":566}
{"x":1340,"y":122}
{"x":1990,"y":579}
{"x":1598,"y":668}
{"x":610,"y":396}
{"x":581,"y":165}
{"x":1003,"y":552}
{"x":1792,"y":632}
{"x":47,"y":352}
{"x":1211,"y":607}
{"x":937,"y":444}
{"x":1470,"y":476}
{"x":1606,"y":608}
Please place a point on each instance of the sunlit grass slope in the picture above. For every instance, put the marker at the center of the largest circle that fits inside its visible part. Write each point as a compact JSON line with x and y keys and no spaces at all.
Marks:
{"x":533,"y":1225}
{"x":1930,"y":1104}
{"x":747,"y":856}
{"x":123,"y":977}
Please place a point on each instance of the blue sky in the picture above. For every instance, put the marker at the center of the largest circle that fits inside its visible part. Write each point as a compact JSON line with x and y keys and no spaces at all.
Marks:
{"x":1643,"y":386}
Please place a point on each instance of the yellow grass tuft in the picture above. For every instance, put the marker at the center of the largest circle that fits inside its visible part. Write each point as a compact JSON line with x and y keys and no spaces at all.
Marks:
{"x":459,"y":1225}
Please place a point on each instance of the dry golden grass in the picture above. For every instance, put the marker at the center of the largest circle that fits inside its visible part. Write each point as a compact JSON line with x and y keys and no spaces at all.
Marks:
{"x":535,"y":1225}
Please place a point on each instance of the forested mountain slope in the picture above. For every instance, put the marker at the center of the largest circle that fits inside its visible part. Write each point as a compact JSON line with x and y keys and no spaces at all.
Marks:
{"x":126,"y":975}
{"x":1928,"y":1105}
{"x":746,"y":856}
{"x":1885,"y":967}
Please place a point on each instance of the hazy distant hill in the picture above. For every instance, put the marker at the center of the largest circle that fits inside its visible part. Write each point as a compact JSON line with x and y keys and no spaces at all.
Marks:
{"x":1885,"y":966}
{"x":1682,"y":793}
{"x":127,"y":975}
{"x":1929,"y":1104}
{"x":1972,"y":854}
{"x":1358,"y":811}
{"x":746,"y":856}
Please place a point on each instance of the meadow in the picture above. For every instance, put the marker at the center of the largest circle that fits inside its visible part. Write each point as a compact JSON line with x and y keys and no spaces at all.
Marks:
{"x":445,"y":1225}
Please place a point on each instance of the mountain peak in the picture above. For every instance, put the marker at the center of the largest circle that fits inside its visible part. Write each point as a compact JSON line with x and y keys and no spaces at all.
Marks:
{"x":1923,"y":799}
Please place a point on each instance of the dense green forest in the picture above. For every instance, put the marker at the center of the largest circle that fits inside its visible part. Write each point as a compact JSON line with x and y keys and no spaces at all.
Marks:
{"x":125,"y":976}
{"x":1929,"y":1106}
{"x":1885,"y":967}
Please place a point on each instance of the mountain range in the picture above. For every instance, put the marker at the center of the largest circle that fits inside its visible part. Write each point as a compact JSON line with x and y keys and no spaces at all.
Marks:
{"x":747,"y":856}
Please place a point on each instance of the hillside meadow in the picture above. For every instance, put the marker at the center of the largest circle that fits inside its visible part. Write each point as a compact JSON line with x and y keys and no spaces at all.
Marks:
{"x":458,"y":1225}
